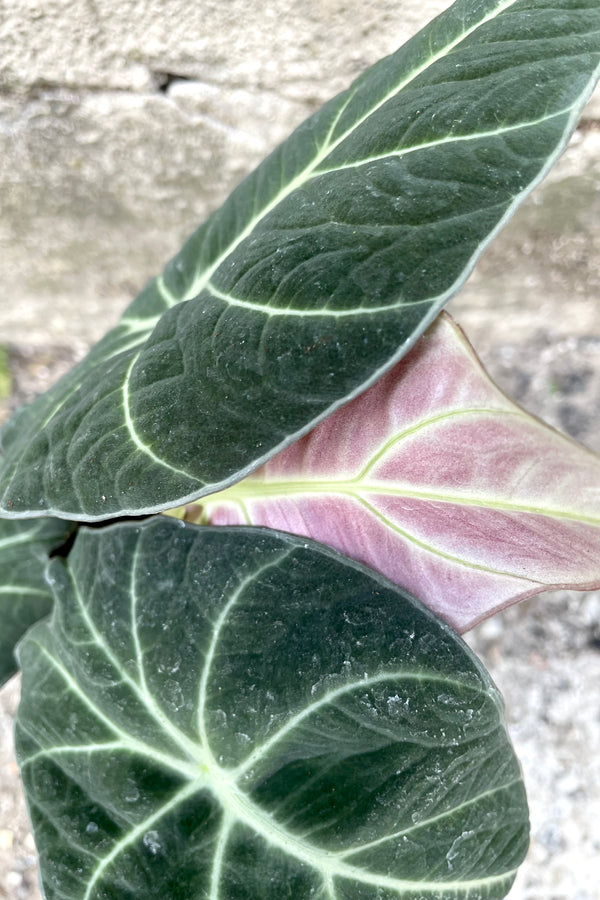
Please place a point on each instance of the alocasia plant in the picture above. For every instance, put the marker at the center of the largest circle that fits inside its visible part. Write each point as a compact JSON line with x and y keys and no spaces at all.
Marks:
{"x":226,"y":711}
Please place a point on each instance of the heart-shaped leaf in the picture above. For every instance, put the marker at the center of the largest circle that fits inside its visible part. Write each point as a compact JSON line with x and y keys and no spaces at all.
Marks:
{"x":318,"y":273}
{"x":25,"y":596}
{"x":435,"y":478}
{"x":233,"y":713}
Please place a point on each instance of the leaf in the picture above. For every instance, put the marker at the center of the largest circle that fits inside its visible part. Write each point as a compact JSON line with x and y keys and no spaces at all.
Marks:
{"x":25,"y":595}
{"x":318,"y":273}
{"x":435,"y":478}
{"x":233,"y":713}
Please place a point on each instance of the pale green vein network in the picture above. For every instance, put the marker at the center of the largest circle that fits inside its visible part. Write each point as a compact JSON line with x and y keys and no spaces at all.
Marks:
{"x":329,"y":146}
{"x":138,"y":832}
{"x":189,"y":771}
{"x":138,"y":326}
{"x":203,"y":280}
{"x":219,"y":856}
{"x":237,"y":804}
{"x":216,"y":633}
{"x":440,"y":142}
{"x":327,"y":863}
{"x":358,"y":487}
{"x":140,"y":690}
{"x":436,"y":551}
{"x":68,"y":749}
{"x":23,"y":537}
{"x":257,"y":490}
{"x":222,"y":783}
{"x":321,"y":312}
{"x":329,"y":887}
{"x":22,"y":589}
{"x":328,"y":698}
{"x":76,"y":385}
{"x":400,"y":303}
{"x":133,"y":593}
{"x":431,"y":421}
{"x":331,"y":489}
{"x":430,"y":820}
{"x":143,"y":327}
{"x":137,"y":441}
{"x":169,"y":298}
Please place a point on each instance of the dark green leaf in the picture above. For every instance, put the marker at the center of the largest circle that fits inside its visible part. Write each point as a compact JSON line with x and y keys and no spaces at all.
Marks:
{"x":319,"y":272}
{"x":235,"y":713}
{"x":25,"y":595}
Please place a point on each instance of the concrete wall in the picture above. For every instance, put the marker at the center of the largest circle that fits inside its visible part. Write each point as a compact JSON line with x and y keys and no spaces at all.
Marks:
{"x":124,"y":122}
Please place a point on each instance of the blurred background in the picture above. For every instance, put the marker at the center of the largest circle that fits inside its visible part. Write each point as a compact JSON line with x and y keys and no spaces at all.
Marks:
{"x":122,"y":125}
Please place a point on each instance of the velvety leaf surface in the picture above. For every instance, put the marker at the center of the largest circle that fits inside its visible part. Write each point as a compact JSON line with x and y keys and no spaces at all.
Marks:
{"x":233,"y":713}
{"x":25,"y":596}
{"x":319,"y":272}
{"x":435,"y":478}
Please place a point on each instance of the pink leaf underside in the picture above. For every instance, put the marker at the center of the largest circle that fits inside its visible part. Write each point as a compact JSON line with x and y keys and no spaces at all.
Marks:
{"x":439,"y":481}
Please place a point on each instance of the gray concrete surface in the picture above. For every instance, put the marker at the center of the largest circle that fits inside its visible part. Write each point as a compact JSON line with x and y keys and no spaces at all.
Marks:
{"x":121,"y":125}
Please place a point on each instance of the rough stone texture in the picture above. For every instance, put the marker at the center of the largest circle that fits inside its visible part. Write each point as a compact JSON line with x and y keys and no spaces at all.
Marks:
{"x":543,"y":270}
{"x":281,"y":46}
{"x":121,"y":125}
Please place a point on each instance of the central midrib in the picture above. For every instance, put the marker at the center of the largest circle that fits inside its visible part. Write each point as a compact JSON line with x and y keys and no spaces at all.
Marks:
{"x":254,"y":490}
{"x":328,"y":863}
